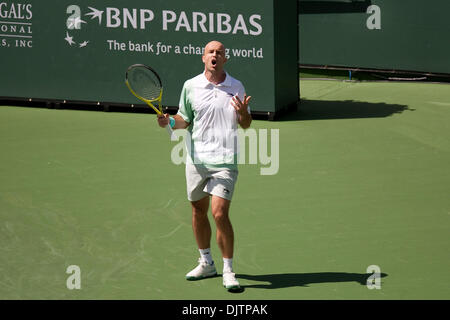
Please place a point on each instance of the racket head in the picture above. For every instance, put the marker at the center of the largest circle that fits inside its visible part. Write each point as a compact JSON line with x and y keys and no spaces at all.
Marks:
{"x":145,"y":83}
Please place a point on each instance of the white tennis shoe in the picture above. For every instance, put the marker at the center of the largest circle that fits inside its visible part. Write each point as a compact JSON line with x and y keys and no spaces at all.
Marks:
{"x":229,"y":281}
{"x":203,"y":270}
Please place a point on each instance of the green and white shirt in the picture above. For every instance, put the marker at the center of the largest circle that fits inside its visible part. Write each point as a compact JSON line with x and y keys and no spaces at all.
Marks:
{"x":213,"y":120}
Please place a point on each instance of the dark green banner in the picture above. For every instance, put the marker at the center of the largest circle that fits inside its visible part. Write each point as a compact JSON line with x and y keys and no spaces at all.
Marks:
{"x":382,"y":34}
{"x":79,"y":50}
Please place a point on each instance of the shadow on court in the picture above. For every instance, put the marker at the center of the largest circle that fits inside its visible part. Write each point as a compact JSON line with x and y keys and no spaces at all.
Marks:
{"x":287,"y":280}
{"x":349,"y":109}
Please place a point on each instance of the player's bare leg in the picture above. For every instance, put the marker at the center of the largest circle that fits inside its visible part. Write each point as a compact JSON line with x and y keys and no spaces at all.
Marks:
{"x":200,"y":222}
{"x":225,"y":236}
{"x":202,"y":233}
{"x":225,"y":240}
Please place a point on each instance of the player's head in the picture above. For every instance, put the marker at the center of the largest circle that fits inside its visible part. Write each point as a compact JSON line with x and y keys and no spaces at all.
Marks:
{"x":214,"y":56}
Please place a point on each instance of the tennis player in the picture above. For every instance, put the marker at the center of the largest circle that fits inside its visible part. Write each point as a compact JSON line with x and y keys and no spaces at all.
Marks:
{"x":212,"y":105}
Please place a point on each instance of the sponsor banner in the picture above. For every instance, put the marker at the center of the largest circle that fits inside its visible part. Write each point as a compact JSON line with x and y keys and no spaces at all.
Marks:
{"x":79,"y":50}
{"x":16,"y":25}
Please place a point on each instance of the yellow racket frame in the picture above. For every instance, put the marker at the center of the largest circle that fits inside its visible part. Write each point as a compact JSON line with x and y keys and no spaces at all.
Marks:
{"x":149,"y":102}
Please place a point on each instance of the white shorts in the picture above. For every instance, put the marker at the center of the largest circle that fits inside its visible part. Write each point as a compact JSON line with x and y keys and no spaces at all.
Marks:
{"x":202,"y":182}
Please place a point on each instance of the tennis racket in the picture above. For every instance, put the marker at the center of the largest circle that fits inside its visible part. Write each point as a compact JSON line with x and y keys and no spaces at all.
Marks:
{"x":145,"y":84}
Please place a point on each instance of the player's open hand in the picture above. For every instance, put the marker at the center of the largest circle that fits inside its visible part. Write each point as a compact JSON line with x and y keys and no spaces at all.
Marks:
{"x":163,"y":120}
{"x":241,"y":107}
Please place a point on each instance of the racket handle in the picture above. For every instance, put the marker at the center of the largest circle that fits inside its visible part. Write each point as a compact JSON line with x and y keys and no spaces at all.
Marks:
{"x":169,"y":131}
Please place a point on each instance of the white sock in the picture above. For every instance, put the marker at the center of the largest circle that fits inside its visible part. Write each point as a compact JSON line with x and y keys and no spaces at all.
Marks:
{"x":227,"y":265}
{"x":205,"y":254}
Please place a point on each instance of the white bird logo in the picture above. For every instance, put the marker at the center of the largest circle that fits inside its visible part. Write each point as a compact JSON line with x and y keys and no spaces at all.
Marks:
{"x":75,"y":23}
{"x":69,"y":39}
{"x":95,"y":14}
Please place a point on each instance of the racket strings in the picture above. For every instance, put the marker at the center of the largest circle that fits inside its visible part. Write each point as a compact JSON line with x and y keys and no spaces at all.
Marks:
{"x":144,"y":83}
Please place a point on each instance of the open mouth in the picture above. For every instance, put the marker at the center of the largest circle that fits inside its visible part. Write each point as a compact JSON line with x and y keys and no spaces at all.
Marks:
{"x":213,"y":62}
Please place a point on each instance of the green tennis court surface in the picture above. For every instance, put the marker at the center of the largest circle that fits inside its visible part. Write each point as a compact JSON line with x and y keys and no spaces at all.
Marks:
{"x":364,"y":180}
